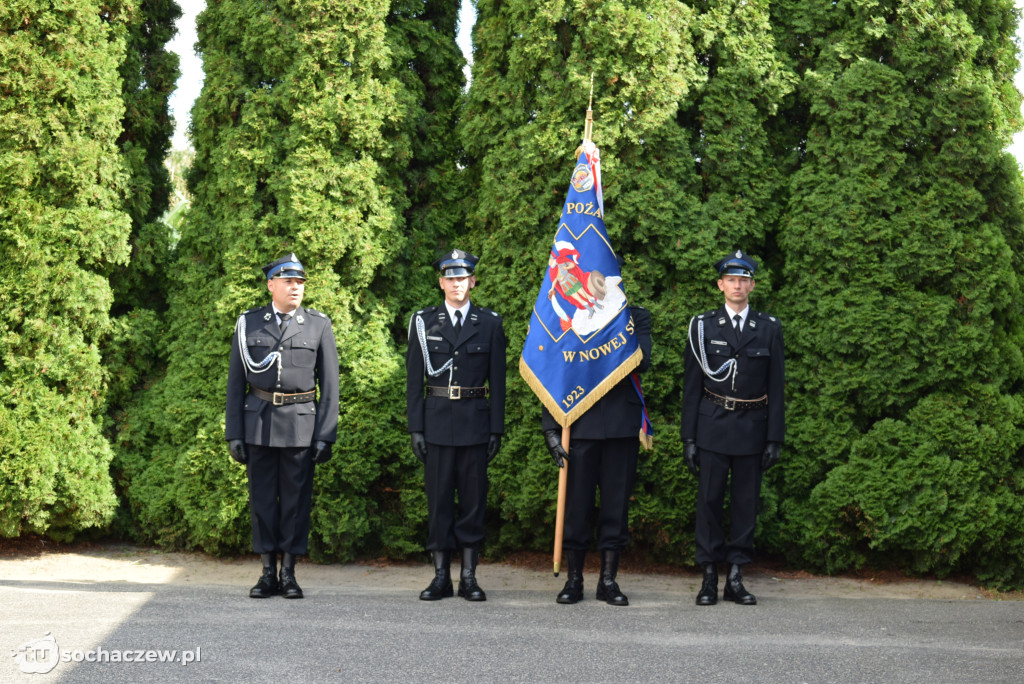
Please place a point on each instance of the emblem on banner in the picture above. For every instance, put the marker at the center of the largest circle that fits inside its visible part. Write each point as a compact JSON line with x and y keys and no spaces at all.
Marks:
{"x":582,"y":178}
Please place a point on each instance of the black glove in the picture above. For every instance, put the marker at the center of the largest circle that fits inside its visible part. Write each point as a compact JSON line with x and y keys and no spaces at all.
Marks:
{"x":419,"y":446}
{"x":321,"y":452}
{"x":493,"y":445}
{"x":554,"y":441}
{"x":690,"y":454}
{"x":236,"y":448}
{"x":771,"y":455}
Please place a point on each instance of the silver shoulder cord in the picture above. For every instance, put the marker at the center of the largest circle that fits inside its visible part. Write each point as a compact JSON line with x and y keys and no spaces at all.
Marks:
{"x":247,"y":359}
{"x":725,"y":371}
{"x":421,"y":334}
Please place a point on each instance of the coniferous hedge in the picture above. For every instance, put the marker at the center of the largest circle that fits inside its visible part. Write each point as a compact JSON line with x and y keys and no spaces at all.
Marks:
{"x":855,"y":148}
{"x":901,"y":243}
{"x":63,"y":228}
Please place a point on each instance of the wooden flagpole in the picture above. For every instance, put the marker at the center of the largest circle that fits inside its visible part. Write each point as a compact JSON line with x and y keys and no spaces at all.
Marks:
{"x":563,"y":478}
{"x":563,"y":473}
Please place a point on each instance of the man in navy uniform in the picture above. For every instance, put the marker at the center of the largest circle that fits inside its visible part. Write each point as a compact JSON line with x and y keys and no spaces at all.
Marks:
{"x":733,"y":423}
{"x":276,"y":424}
{"x":604,"y":450}
{"x":455,"y":399}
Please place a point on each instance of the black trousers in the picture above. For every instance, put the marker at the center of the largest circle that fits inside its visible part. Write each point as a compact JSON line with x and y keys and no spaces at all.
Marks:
{"x":449,"y":469}
{"x":280,"y":497}
{"x":610,"y":466}
{"x":744,"y":492}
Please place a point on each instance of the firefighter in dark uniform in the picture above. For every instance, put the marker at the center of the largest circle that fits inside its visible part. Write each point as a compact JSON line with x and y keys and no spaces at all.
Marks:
{"x":604,"y":450}
{"x":733,"y":423}
{"x":455,"y":398}
{"x":276,"y":423}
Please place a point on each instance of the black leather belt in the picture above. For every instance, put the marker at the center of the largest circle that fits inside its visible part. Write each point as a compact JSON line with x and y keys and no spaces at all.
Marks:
{"x":279,"y":399}
{"x":731,"y":404}
{"x":456,"y":392}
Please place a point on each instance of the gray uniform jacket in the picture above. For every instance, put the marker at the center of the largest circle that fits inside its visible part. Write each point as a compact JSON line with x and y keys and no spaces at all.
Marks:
{"x":309,"y":360}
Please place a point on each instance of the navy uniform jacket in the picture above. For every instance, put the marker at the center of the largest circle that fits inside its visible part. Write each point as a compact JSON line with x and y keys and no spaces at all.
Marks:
{"x":478,"y":359}
{"x":309,"y":359}
{"x":619,"y":412}
{"x":760,"y":370}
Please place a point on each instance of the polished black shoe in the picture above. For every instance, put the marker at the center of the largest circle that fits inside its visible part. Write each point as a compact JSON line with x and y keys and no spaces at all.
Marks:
{"x":267,"y":585}
{"x":572,"y":592}
{"x":734,"y":589}
{"x":708,"y":594}
{"x":607,"y":588}
{"x":289,"y":587}
{"x":468,"y":588}
{"x":441,"y":586}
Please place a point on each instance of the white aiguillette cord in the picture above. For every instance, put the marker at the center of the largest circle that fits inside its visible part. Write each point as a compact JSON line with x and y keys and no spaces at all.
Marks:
{"x":725,"y":371}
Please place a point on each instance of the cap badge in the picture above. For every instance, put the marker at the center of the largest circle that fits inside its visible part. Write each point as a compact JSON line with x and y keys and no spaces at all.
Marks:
{"x":455,"y":254}
{"x":739,"y":254}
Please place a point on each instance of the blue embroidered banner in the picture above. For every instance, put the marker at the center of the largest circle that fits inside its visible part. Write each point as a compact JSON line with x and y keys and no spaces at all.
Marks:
{"x":581,"y":340}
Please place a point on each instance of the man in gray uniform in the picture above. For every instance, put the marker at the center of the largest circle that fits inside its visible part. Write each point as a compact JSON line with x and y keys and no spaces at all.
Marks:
{"x":733,"y":422}
{"x":276,"y":424}
{"x":454,"y":351}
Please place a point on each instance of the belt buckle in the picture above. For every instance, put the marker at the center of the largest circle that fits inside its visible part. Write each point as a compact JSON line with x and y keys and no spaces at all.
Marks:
{"x":454,"y":392}
{"x":729,"y":404}
{"x":278,"y":399}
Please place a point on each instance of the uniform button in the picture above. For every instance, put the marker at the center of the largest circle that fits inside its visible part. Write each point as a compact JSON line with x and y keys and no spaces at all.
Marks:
{"x":456,"y":353}
{"x":455,"y":368}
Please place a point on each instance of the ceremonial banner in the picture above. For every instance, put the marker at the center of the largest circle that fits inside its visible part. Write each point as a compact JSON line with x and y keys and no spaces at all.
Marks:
{"x":581,"y":340}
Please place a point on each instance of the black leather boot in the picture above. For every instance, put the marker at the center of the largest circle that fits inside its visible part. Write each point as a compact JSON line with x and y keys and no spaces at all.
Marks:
{"x":708,"y":594}
{"x":572,"y":592}
{"x":607,"y":589}
{"x":468,"y":588}
{"x":289,"y":587}
{"x":734,"y":589}
{"x":441,"y":587}
{"x":267,"y":585}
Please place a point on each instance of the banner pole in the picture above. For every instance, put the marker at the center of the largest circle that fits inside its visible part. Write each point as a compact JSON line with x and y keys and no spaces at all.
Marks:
{"x":563,"y":478}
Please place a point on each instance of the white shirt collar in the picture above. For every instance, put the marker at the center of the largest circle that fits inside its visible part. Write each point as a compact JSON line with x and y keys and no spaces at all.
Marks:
{"x":451,"y":311}
{"x":743,"y":315}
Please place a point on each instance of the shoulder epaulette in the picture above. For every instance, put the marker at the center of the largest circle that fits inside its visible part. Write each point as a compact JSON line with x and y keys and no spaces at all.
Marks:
{"x":490,"y":311}
{"x":314,"y":312}
{"x":768,"y":317}
{"x":249,"y":311}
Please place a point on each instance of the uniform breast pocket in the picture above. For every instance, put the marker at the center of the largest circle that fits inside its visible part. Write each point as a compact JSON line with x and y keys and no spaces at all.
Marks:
{"x":303,"y":353}
{"x":759,"y":353}
{"x":440,"y":351}
{"x":259,"y":346}
{"x":479,"y":348}
{"x":718,"y":348}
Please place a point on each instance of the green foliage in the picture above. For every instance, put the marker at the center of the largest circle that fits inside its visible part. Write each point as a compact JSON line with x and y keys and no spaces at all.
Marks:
{"x":856,"y":148}
{"x":305,"y":141}
{"x":903,"y":229}
{"x":63,"y":186}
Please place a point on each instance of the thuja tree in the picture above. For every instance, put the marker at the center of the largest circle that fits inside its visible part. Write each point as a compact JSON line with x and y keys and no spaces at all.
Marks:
{"x":63,"y":185}
{"x":148,"y":75}
{"x":737,"y":195}
{"x":295,"y":142}
{"x":428,"y":67}
{"x":522,"y":122}
{"x":901,"y":292}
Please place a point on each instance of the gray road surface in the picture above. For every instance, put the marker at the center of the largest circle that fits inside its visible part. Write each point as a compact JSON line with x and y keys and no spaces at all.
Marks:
{"x":366,"y":625}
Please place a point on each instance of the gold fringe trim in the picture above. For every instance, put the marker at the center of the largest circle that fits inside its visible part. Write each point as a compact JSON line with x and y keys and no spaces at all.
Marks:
{"x":566,"y":418}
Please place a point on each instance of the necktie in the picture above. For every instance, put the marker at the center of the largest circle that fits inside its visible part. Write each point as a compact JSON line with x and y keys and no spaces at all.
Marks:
{"x":284,"y":320}
{"x":737,"y":318}
{"x":458,"y":323}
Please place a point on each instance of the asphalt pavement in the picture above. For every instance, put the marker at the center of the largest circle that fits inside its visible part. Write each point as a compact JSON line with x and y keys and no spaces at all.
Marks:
{"x":141,"y":619}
